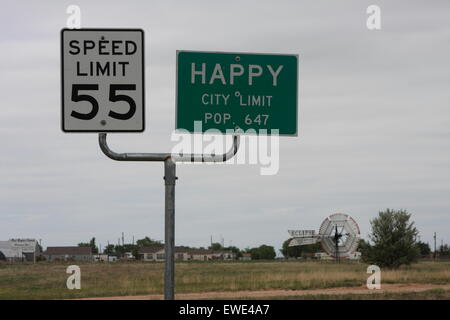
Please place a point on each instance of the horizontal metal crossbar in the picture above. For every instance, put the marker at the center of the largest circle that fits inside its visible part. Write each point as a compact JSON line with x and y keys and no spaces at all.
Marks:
{"x":164,"y":156}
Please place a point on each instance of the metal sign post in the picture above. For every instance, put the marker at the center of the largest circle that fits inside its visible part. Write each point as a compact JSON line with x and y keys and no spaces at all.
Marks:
{"x":169,"y":181}
{"x":103,"y":90}
{"x":169,"y":229}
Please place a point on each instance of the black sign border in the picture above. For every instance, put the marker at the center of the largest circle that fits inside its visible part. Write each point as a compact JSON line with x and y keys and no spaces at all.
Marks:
{"x":143,"y":78}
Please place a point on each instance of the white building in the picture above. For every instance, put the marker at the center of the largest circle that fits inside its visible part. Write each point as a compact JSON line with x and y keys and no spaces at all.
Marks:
{"x":68,"y":254}
{"x":19,"y":250}
{"x":100,"y":258}
{"x":325,"y":256}
{"x":185,"y":254}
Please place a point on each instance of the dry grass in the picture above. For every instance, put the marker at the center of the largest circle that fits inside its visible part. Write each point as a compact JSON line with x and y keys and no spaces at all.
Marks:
{"x":48,"y":281}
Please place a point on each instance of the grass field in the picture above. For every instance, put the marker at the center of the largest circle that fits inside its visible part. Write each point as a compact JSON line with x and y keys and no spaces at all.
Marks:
{"x":48,"y":280}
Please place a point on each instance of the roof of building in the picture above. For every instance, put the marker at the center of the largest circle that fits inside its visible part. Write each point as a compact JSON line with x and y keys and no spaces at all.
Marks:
{"x":68,"y":251}
{"x":152,"y":249}
{"x":180,"y":249}
{"x":224,"y":251}
{"x":9,"y":253}
{"x":200,"y":251}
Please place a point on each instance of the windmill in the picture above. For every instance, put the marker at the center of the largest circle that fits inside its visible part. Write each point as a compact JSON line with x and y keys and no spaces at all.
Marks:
{"x":338,"y":235}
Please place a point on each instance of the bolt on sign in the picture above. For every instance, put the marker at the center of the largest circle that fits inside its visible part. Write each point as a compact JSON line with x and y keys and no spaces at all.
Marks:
{"x":227,"y":90}
{"x":102,"y":80}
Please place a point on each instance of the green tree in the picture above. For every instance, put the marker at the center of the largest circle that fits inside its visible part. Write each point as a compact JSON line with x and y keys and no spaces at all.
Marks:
{"x":363,"y":246}
{"x":298,"y":251}
{"x":90,"y":244}
{"x":392,"y":241}
{"x":444,"y":250}
{"x":215,"y":246}
{"x":148,"y":242}
{"x":424,"y":248}
{"x":109,"y":249}
{"x":263,"y":252}
{"x":255,"y":253}
{"x":291,"y":252}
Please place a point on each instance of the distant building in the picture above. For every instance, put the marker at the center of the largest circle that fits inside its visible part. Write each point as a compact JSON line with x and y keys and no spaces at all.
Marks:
{"x":100,"y":258}
{"x":246,"y":257}
{"x":185,"y":254}
{"x":200,"y":254}
{"x":355,"y":256}
{"x":152,"y":253}
{"x":325,"y":256}
{"x":103,"y":257}
{"x":19,"y":250}
{"x":226,"y":255}
{"x":68,"y":254}
{"x":128,"y":256}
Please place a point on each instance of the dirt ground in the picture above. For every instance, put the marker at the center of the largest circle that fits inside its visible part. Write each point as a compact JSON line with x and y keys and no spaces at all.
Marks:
{"x":266,"y":294}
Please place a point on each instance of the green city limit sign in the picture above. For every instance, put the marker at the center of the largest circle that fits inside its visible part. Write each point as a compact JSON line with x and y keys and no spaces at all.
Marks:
{"x":227,"y":90}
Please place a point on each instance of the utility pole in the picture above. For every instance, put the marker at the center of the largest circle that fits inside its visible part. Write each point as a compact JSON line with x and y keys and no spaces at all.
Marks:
{"x":435,"y":246}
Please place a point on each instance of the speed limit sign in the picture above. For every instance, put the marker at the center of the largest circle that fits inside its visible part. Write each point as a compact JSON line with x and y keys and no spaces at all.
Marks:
{"x":102,"y":80}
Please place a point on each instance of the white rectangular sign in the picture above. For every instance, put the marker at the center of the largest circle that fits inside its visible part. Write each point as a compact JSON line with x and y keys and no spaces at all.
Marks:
{"x":24,"y":245}
{"x":302,"y":241}
{"x":301,"y":233}
{"x":102,"y":80}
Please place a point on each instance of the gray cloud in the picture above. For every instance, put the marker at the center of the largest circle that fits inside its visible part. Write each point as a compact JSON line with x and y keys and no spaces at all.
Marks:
{"x":374,"y":123}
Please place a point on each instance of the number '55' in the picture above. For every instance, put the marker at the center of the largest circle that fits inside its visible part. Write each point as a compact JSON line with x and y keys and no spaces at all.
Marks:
{"x":113,"y":97}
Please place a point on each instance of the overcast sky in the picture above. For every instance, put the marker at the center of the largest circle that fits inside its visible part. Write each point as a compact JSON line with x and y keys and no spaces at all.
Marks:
{"x":374,"y":124}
